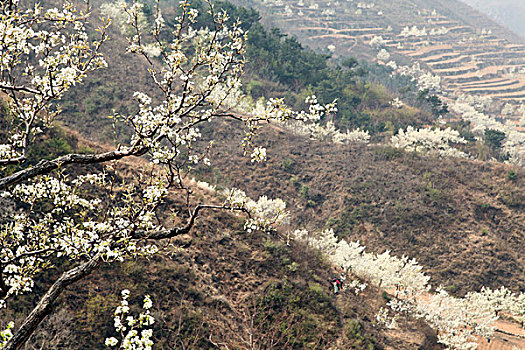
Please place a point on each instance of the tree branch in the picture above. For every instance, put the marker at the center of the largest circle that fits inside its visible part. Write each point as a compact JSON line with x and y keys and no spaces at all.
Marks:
{"x":46,"y":166}
{"x":177,"y":231}
{"x":25,"y":255}
{"x":45,"y":305}
{"x":20,"y":88}
{"x":509,"y":333}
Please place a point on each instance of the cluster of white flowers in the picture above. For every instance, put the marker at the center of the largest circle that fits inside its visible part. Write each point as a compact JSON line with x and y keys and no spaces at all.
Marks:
{"x":327,"y":133}
{"x":479,"y":103}
{"x":383,"y":270}
{"x":328,"y":12}
{"x":431,"y":141}
{"x":357,"y":285}
{"x":383,"y":55}
{"x":351,"y":136}
{"x":52,"y":50}
{"x":364,"y":5}
{"x":413,"y":31}
{"x":265,"y":214}
{"x":377,"y":42}
{"x":439,"y":31}
{"x":30,"y":240}
{"x":486,"y":31}
{"x":135,"y":333}
{"x":276,"y":109}
{"x":114,"y":11}
{"x":384,"y":319}
{"x":416,"y":32}
{"x":429,"y":81}
{"x":6,"y":334}
{"x":392,"y":65}
{"x":425,"y":80}
{"x":258,"y":155}
{"x":458,"y":320}
{"x":397,"y":103}
{"x":478,"y":120}
{"x":508,"y":109}
{"x":514,"y":143}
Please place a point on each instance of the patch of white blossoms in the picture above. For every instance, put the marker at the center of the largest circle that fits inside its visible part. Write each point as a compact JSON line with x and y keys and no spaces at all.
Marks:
{"x":6,"y":334}
{"x":377,"y":42}
{"x":473,"y":110}
{"x":383,"y":55}
{"x":135,"y":332}
{"x":397,"y":103}
{"x":414,"y":31}
{"x":424,"y":80}
{"x":431,"y":141}
{"x":29,"y":241}
{"x":43,"y":54}
{"x":459,"y":321}
{"x":265,"y":214}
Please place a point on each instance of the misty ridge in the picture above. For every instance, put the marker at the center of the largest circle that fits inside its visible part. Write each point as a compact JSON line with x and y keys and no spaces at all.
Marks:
{"x":509,"y":13}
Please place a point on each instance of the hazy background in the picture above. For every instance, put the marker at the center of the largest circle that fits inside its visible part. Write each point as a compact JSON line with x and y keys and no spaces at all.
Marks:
{"x":510,"y":13}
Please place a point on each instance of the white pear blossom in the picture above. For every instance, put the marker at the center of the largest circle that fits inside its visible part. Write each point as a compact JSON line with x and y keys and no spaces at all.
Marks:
{"x":383,"y":55}
{"x":458,"y":321}
{"x":135,"y":333}
{"x":432,"y":141}
{"x":377,"y":42}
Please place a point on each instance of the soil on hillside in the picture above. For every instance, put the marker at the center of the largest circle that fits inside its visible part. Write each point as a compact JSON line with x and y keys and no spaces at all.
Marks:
{"x":463,"y":220}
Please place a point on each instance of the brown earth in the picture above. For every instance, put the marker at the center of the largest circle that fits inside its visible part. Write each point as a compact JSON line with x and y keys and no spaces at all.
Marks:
{"x":463,"y":220}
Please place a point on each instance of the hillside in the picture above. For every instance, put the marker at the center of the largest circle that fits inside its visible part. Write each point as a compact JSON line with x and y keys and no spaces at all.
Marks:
{"x":463,"y":220}
{"x":472,"y":54}
{"x":222,"y":285}
{"x":218,"y":287}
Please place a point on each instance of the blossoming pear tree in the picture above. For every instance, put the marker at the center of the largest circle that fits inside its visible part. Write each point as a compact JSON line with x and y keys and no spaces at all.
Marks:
{"x":45,"y":52}
{"x":459,"y":321}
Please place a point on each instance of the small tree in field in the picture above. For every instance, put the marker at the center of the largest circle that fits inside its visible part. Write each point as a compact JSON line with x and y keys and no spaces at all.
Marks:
{"x":46,"y":52}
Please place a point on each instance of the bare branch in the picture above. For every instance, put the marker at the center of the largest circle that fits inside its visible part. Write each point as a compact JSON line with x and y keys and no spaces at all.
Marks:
{"x":177,"y":231}
{"x":20,"y":88}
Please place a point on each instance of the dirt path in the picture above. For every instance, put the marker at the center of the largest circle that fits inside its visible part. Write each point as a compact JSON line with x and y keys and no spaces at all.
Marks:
{"x":501,"y":339}
{"x":504,"y":341}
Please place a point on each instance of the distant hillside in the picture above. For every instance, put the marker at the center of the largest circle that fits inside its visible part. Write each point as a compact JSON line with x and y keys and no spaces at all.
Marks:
{"x":509,"y":13}
{"x":471,"y":53}
{"x":276,"y":66}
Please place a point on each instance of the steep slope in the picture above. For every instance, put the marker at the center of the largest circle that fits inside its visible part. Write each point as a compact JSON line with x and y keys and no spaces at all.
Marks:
{"x":221,"y":287}
{"x":463,"y":220}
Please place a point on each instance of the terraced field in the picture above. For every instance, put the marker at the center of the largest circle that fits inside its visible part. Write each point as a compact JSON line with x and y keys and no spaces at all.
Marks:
{"x":468,"y":54}
{"x":472,"y":54}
